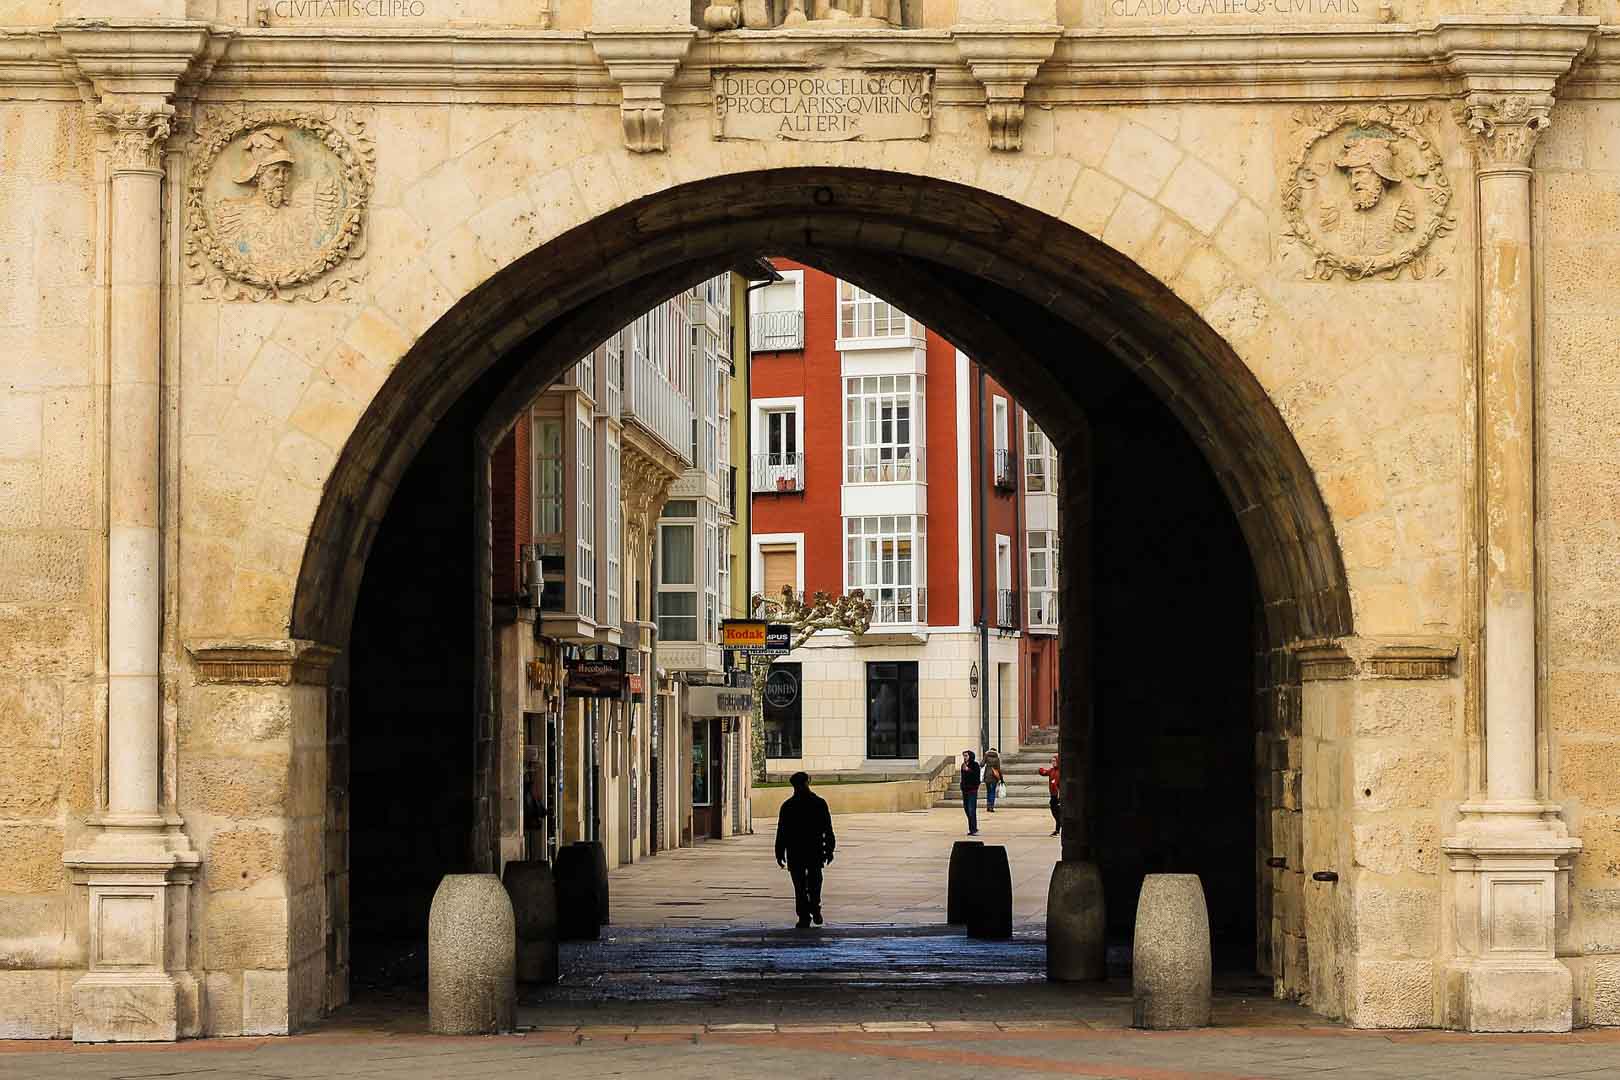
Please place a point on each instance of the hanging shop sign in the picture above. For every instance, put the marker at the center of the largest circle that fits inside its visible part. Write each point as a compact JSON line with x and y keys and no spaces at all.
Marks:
{"x":747,"y":635}
{"x":756,"y":637}
{"x":635,"y":683}
{"x":719,"y":701}
{"x":595,"y":678}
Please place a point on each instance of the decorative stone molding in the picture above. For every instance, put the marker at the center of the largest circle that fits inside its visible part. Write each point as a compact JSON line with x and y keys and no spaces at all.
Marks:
{"x":1357,"y":658}
{"x":642,"y":61}
{"x":1320,"y":661}
{"x":276,"y":203}
{"x":139,"y":133}
{"x":1005,"y":60}
{"x":1365,"y":192}
{"x":1394,"y":661}
{"x":278,"y":662}
{"x":1504,"y":128}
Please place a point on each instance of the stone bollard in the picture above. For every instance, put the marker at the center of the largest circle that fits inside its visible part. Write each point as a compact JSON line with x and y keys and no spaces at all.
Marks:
{"x":1075,"y":948}
{"x":599,"y":862}
{"x":578,"y":908}
{"x":472,"y":957}
{"x":963,"y":853}
{"x":989,"y":914}
{"x":1170,"y":978}
{"x":534,"y":904}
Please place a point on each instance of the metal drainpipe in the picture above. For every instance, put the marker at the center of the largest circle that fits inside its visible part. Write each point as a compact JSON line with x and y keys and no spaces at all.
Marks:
{"x":1020,"y":552}
{"x":984,"y":556}
{"x":650,"y":689}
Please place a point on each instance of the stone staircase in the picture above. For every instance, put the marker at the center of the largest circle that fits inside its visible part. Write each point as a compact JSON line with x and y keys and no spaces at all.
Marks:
{"x":1026,"y":787}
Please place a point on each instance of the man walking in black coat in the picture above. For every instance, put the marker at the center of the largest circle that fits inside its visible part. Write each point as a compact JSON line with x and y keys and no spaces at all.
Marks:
{"x":804,"y":844}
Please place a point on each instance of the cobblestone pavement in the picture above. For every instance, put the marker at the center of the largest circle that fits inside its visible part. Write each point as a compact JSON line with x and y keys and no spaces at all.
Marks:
{"x":700,"y":976}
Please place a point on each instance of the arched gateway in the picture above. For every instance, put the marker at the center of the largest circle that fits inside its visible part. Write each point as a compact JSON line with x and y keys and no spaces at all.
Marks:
{"x":280,"y":247}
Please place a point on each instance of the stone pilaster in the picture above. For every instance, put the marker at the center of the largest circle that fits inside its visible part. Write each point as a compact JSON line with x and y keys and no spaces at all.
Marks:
{"x":1510,"y":854}
{"x":140,"y":867}
{"x":139,"y":864}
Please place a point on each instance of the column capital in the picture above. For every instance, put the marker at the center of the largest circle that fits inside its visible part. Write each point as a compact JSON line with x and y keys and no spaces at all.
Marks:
{"x":1504,"y":128}
{"x":139,"y":133}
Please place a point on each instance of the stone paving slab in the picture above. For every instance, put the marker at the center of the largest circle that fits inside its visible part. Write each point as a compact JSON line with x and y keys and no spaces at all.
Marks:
{"x":870,"y":1052}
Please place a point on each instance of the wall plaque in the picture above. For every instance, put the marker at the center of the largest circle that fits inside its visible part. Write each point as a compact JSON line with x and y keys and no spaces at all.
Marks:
{"x":826,"y":105}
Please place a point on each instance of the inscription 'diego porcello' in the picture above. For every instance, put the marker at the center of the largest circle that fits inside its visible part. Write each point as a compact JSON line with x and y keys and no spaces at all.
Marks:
{"x":832,"y":105}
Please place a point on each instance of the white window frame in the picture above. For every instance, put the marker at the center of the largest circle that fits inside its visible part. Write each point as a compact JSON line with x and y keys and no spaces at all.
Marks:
{"x":693,"y":587}
{"x":764,"y":474}
{"x":585,"y":517}
{"x":1042,"y":577}
{"x":999,"y":411}
{"x":613,"y":592}
{"x":860,"y":310}
{"x":756,"y":556}
{"x":889,"y":598}
{"x":552,"y":542}
{"x":796,"y":279}
{"x":1041,"y":479}
{"x":864,"y":462}
{"x":1003,"y":562}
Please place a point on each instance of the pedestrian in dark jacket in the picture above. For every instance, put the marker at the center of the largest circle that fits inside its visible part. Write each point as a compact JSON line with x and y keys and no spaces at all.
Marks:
{"x":970,"y":790}
{"x":804,"y":844}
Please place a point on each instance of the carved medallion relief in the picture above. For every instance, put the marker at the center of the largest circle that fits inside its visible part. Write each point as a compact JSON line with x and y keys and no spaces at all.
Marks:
{"x":1366,"y":193}
{"x":276,"y":204}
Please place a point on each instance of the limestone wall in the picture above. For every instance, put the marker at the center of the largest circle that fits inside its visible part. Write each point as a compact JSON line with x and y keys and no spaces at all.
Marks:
{"x":52,"y":557}
{"x":1578,"y":167}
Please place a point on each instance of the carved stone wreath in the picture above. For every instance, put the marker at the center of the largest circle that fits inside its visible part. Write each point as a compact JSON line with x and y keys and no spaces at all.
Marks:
{"x":241,"y":244}
{"x":1388,"y":224}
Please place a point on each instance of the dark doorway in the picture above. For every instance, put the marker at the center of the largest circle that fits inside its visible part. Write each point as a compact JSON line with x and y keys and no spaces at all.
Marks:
{"x":891,"y":709}
{"x":1175,"y":602}
{"x":412,"y":661}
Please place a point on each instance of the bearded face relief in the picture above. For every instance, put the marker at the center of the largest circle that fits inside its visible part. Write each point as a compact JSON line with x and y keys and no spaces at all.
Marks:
{"x":276,"y":202}
{"x":1366,"y":187}
{"x":1366,"y":193}
{"x":273,"y":183}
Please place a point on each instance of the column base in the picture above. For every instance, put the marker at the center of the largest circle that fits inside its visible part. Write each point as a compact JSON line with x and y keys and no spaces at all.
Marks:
{"x":1075,"y":923}
{"x":1510,"y":864}
{"x":135,"y":1007}
{"x":1507,"y":996}
{"x":139,"y":871}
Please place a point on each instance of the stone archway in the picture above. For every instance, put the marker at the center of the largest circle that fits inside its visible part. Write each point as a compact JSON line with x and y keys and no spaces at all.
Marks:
{"x":1071,"y":325}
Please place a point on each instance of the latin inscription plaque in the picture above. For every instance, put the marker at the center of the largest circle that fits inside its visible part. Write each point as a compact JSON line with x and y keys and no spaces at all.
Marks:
{"x":826,"y":105}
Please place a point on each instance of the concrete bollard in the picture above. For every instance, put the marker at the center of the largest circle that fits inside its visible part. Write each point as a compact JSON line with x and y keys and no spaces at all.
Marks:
{"x":534,"y":904}
{"x":1170,"y":977}
{"x":989,"y":915}
{"x":956,"y":881}
{"x":1075,"y":920}
{"x":578,"y":908}
{"x":472,"y":957}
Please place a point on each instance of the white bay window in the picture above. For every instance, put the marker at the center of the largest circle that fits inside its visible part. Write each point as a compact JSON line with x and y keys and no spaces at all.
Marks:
{"x":884,"y":558}
{"x":883,"y":429}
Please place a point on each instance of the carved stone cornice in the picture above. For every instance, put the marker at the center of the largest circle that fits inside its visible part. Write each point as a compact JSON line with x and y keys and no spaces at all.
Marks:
{"x":1375,"y":658}
{"x":1504,"y":128}
{"x":642,"y":61}
{"x":1005,"y":60}
{"x":274,"y":661}
{"x":138,"y":132}
{"x":139,"y":59}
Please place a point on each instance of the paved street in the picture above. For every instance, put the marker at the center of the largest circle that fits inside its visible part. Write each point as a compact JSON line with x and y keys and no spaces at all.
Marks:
{"x":702,"y":976}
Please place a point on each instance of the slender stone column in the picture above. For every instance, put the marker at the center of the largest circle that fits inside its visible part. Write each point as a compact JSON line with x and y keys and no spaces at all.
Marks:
{"x":134,"y":584}
{"x":139,"y":865}
{"x":1511,"y":847}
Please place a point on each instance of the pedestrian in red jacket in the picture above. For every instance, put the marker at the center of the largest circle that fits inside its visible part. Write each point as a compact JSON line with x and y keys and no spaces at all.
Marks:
{"x":1051,"y":774}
